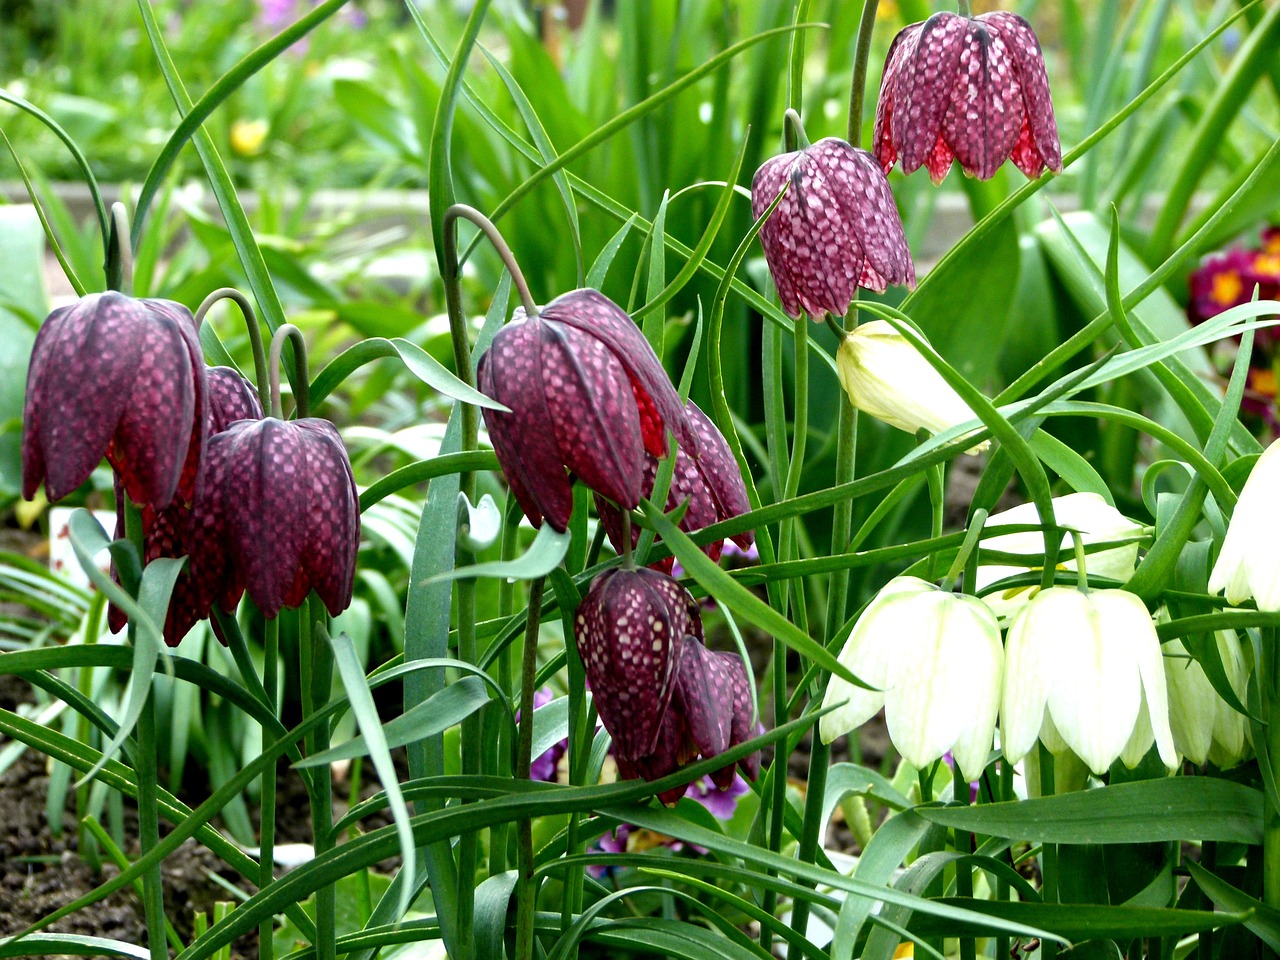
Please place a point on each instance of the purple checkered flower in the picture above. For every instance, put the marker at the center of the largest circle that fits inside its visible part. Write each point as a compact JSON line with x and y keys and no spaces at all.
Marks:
{"x":118,"y":377}
{"x":969,"y":88}
{"x":710,"y":481}
{"x":282,"y":512}
{"x":587,"y":395}
{"x":835,"y":230}
{"x":662,"y":695}
{"x":170,"y":532}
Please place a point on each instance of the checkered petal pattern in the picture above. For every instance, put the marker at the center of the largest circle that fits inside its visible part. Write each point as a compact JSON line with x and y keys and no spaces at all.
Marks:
{"x":836,"y":229}
{"x":972,"y":89}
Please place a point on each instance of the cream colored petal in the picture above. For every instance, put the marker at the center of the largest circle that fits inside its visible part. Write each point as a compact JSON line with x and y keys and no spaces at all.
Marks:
{"x":1139,"y":741}
{"x":1192,"y":703}
{"x":1027,"y":676}
{"x":1128,"y":621}
{"x":1096,"y":690}
{"x":945,"y":688}
{"x":868,"y":654}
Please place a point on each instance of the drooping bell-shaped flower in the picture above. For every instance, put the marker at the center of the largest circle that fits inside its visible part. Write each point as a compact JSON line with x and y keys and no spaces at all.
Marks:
{"x":282,"y":509}
{"x":172,"y":531}
{"x":936,"y":662}
{"x":710,"y":481}
{"x":972,"y":89}
{"x":710,"y":711}
{"x":886,"y":377}
{"x":587,"y":395}
{"x":1086,"y":513}
{"x":1204,"y":726}
{"x":662,"y":695}
{"x":118,"y":377}
{"x":1082,"y":671}
{"x":626,"y":629}
{"x":835,"y":230}
{"x":1249,"y":563}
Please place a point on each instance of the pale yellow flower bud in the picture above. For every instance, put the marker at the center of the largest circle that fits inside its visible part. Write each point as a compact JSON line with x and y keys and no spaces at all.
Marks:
{"x":885,"y":376}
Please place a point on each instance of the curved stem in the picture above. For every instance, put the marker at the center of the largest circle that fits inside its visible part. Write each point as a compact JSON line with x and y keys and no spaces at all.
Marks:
{"x":465,"y":212}
{"x":791,"y":121}
{"x":628,"y":561}
{"x":302,"y":395}
{"x":254,"y":331}
{"x":861,"y":57}
{"x":119,"y":265}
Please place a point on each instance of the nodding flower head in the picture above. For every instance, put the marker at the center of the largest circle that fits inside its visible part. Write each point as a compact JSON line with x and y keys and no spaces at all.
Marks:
{"x":174,"y":530}
{"x":835,"y":230}
{"x":587,"y":397}
{"x":710,"y":481}
{"x":972,"y":89}
{"x":118,"y":377}
{"x":662,"y":695}
{"x":283,"y":512}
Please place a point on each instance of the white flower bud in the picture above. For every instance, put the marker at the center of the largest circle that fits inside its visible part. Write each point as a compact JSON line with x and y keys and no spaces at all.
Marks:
{"x":885,"y":376}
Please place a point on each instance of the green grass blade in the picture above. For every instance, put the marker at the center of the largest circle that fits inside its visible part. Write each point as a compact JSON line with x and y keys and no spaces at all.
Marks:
{"x":214,"y":97}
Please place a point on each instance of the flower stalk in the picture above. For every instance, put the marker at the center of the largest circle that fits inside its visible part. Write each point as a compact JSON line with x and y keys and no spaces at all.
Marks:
{"x":302,"y":380}
{"x":526,"y":889}
{"x":260,"y":377}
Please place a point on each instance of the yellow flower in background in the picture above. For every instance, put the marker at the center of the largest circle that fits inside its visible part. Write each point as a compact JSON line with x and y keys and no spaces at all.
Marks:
{"x":248,"y":137}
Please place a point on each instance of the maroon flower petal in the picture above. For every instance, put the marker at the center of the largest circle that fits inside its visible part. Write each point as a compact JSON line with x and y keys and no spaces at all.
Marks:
{"x":924,"y":86}
{"x":231,"y":398}
{"x":595,"y":423}
{"x":332,"y":526}
{"x":78,"y":385}
{"x":625,"y":629}
{"x":719,"y":471}
{"x":511,"y":372}
{"x":595,"y":314}
{"x":882,"y":139}
{"x":1042,"y":147}
{"x":704,"y":694}
{"x":986,"y":110}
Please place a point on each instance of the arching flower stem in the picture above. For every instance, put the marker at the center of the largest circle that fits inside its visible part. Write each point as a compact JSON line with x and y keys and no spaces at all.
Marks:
{"x":119,"y":254}
{"x":302,"y":396}
{"x":251,"y":327}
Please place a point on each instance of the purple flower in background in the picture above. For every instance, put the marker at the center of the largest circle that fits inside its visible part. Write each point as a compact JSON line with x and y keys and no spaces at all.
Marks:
{"x":836,"y":229}
{"x":970,"y":89}
{"x":546,"y":765}
{"x":275,"y":15}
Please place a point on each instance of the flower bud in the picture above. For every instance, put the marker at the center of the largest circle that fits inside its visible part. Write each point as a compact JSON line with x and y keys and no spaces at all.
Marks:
{"x":885,"y":376}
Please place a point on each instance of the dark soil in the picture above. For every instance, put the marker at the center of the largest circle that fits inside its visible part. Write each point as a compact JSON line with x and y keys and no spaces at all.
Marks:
{"x":41,"y":872}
